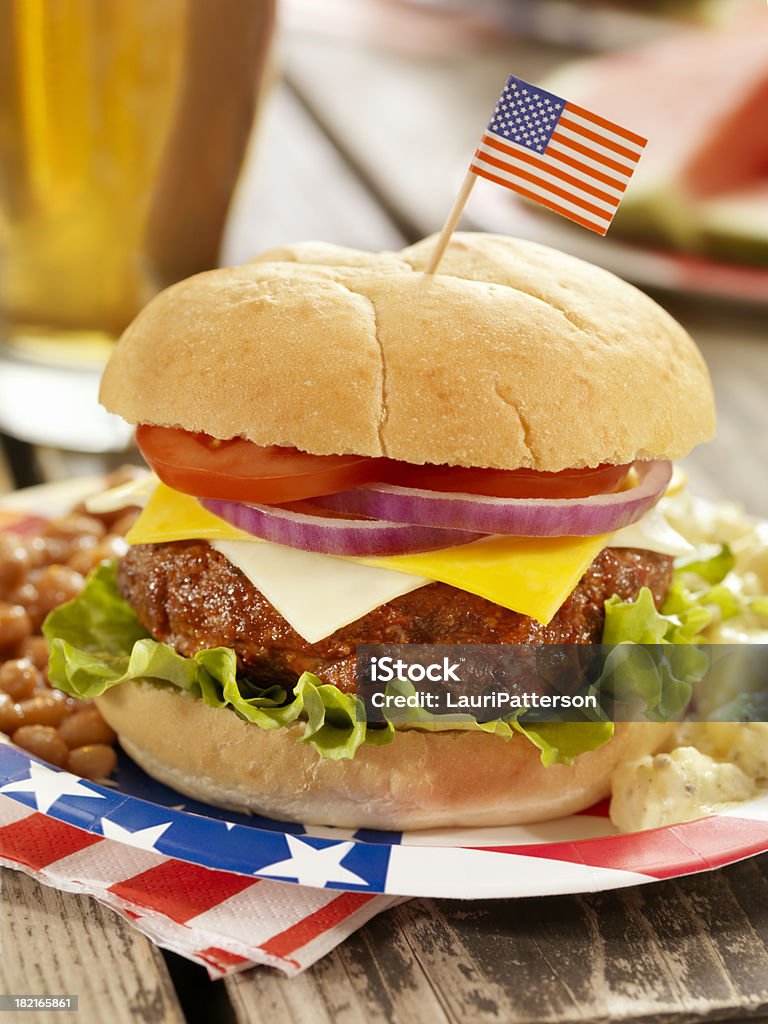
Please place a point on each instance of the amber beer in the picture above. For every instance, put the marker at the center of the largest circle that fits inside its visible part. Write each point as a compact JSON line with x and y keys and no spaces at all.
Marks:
{"x":123,"y":126}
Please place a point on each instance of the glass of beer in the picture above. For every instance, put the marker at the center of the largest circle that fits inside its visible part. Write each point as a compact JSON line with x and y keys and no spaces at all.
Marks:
{"x":123,"y":127}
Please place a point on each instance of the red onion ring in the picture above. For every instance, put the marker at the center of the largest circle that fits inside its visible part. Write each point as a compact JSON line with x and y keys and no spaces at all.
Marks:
{"x":521,"y":517}
{"x":333,"y":536}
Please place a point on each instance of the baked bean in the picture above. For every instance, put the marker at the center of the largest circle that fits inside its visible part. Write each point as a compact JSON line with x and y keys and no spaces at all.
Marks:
{"x":36,"y":649}
{"x":14,"y":562}
{"x":19,"y":678}
{"x":28,"y":596}
{"x":86,"y":727}
{"x":74,"y":527}
{"x":15,"y":624}
{"x":44,"y":551}
{"x":86,"y":543}
{"x":71,"y":704}
{"x":36,"y":575}
{"x":88,"y":558}
{"x":122,"y":525}
{"x":94,"y":761}
{"x":11,"y":715}
{"x":43,"y":742}
{"x":114,"y":545}
{"x":84,"y":560}
{"x":45,"y":709}
{"x":75,"y":704}
{"x":56,"y":584}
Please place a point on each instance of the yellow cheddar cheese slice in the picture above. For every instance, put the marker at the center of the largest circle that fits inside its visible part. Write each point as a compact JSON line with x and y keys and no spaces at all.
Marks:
{"x":532,"y":576}
{"x":170,"y":515}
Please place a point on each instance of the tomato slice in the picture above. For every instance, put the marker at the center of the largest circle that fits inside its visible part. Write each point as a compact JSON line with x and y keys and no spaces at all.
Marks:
{"x":242,"y":471}
{"x":508,"y":483}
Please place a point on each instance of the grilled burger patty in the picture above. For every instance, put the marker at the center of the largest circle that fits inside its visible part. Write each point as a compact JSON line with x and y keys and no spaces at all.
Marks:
{"x":188,"y":595}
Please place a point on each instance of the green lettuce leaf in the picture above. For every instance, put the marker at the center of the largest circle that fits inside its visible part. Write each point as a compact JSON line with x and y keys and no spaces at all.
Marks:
{"x":713,"y":569}
{"x":96,"y":642}
{"x":680,"y":621}
{"x":712,"y":584}
{"x":558,"y":742}
{"x":654,"y":663}
{"x":702,"y":584}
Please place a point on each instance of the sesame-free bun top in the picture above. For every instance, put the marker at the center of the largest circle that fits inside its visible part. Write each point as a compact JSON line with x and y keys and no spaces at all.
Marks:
{"x":513,"y":355}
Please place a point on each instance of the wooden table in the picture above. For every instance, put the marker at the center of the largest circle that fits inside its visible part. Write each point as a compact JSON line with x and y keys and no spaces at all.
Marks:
{"x":343,"y":156}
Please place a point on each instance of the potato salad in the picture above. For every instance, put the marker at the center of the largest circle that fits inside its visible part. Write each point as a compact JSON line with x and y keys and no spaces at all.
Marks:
{"x":709,"y":765}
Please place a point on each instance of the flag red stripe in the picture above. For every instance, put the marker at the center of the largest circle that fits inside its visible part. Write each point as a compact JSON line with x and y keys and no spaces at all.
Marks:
{"x":322,"y":920}
{"x":614,"y":165}
{"x":179,"y":890}
{"x":596,"y":137}
{"x":603,"y":122}
{"x":577,"y":165}
{"x":599,"y":139}
{"x":562,"y":193}
{"x":599,"y":228}
{"x":544,"y":165}
{"x":547,"y":163}
{"x":37,"y":841}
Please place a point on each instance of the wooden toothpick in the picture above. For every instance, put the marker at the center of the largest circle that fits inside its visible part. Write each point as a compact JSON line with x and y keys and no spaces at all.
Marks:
{"x":452,"y":220}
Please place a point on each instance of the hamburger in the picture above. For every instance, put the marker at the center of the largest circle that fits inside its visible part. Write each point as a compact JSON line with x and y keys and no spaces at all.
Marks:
{"x":353,"y":452}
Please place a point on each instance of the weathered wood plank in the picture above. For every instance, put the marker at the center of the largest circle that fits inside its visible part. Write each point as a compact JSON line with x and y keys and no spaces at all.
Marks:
{"x":297,"y":186}
{"x":678,"y":952}
{"x":735,"y":345}
{"x":687,"y":950}
{"x":410,"y":124}
{"x":54,"y":943}
{"x":374,"y":976}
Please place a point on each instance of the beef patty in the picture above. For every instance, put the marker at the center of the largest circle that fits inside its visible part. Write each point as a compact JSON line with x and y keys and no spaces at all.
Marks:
{"x":188,"y":595}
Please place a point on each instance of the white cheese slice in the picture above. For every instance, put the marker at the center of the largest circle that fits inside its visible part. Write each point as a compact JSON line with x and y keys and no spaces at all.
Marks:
{"x":316,"y":594}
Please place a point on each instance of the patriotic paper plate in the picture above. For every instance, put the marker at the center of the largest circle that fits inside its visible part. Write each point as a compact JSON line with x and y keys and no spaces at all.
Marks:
{"x":581,"y":853}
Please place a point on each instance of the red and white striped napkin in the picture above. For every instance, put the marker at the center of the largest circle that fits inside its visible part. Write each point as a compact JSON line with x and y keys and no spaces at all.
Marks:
{"x":225,"y":922}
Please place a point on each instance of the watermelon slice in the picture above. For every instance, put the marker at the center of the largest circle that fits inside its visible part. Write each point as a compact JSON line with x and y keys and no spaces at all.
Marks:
{"x":735,"y":225}
{"x":701,"y":98}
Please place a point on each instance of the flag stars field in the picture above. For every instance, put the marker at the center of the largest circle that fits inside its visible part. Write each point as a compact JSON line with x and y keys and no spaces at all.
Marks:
{"x":567,"y":158}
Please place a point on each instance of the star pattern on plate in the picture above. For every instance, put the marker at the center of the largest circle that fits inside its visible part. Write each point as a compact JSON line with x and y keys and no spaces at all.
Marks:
{"x":48,"y":785}
{"x":312,"y":866}
{"x":143,"y":838}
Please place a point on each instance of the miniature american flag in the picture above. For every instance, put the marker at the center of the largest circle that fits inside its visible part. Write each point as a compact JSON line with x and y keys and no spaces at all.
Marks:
{"x":558,"y":154}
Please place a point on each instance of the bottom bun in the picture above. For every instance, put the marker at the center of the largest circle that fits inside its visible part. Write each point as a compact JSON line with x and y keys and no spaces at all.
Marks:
{"x":420,"y":780}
